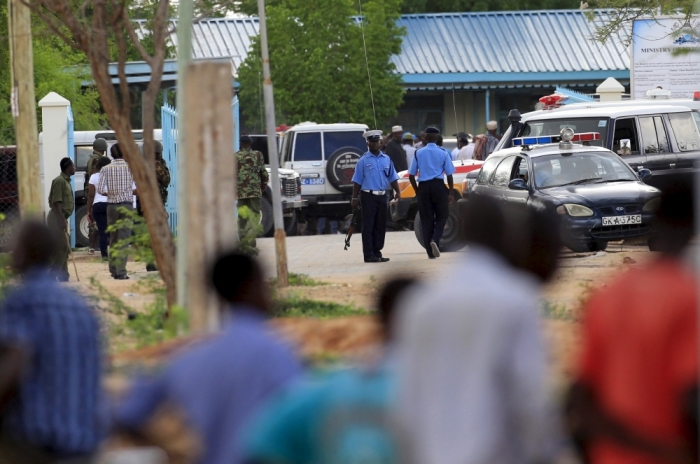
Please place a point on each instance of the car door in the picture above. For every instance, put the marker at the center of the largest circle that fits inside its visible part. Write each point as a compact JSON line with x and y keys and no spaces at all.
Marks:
{"x":307,"y":160}
{"x":501,"y":177}
{"x":686,"y":138}
{"x":627,"y":143}
{"x":655,"y":144}
{"x":520,"y":171}
{"x":482,"y":187}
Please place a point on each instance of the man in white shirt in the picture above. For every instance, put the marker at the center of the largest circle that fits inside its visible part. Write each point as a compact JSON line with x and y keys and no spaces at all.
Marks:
{"x":466,"y":149}
{"x":471,"y":373}
{"x":408,"y":147}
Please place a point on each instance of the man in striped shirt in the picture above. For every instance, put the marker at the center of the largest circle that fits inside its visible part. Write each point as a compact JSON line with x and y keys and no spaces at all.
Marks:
{"x":51,"y":401}
{"x":117,"y":183}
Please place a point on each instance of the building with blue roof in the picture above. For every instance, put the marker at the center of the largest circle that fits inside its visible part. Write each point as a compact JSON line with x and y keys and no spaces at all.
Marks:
{"x":459,"y":69}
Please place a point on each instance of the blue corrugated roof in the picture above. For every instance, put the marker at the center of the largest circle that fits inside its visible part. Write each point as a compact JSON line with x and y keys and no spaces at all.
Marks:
{"x":465,"y":49}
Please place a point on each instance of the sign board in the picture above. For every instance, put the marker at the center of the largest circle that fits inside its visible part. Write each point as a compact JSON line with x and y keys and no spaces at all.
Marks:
{"x":666,"y":54}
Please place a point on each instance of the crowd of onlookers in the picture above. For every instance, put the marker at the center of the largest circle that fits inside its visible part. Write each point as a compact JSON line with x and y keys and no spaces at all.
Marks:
{"x":461,"y":377}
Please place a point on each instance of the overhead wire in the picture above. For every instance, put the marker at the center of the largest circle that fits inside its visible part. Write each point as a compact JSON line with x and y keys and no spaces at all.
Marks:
{"x":369,"y":77}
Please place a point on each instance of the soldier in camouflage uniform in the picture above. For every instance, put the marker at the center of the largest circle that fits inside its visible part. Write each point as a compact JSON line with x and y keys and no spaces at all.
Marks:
{"x":252,"y":181}
{"x":99,"y":148}
{"x":162,"y":172}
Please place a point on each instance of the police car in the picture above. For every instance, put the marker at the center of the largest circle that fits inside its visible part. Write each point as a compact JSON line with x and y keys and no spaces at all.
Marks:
{"x":599,"y":197}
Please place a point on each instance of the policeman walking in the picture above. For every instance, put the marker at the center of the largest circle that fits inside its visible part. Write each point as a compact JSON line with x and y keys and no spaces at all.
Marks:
{"x":374,"y":175}
{"x":434,"y":198}
{"x":252,"y":182}
{"x":61,"y":202}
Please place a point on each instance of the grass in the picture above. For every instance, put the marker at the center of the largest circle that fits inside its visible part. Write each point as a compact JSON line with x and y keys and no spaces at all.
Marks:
{"x":296,"y":306}
{"x":549,"y":310}
{"x":299,"y":280}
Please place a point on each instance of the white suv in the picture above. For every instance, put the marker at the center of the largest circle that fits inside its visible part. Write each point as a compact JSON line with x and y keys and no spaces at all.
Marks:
{"x":325,"y":156}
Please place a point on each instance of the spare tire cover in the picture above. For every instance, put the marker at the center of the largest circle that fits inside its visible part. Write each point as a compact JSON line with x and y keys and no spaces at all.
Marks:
{"x":341,"y":167}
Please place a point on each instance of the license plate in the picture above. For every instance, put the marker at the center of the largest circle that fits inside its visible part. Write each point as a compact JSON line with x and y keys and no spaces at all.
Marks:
{"x":313,"y":181}
{"x":622,"y":220}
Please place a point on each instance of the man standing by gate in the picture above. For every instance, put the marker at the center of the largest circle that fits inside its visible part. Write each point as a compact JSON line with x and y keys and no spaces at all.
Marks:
{"x":252,"y":182}
{"x":374,"y":175}
{"x":433,"y":197}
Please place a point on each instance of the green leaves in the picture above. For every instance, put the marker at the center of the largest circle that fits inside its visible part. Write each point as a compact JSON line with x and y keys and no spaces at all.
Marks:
{"x":318,"y":63}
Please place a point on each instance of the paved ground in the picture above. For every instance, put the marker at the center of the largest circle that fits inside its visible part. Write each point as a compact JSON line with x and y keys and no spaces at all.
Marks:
{"x":322,"y":256}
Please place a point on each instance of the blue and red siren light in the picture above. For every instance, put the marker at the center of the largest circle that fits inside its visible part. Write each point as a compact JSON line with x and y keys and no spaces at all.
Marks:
{"x":543,"y":140}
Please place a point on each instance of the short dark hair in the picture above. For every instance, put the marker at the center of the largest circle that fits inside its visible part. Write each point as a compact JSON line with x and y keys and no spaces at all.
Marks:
{"x":388,"y":299}
{"x":33,"y":245}
{"x":116,"y":151}
{"x":65,"y":162}
{"x":232,"y":272}
{"x":431,"y":138}
{"x":102,"y":162}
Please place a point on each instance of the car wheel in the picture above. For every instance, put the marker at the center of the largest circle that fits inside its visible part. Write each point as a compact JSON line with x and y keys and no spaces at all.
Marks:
{"x":341,"y":167}
{"x":82,"y":225}
{"x":452,"y":237}
{"x":267,"y":220}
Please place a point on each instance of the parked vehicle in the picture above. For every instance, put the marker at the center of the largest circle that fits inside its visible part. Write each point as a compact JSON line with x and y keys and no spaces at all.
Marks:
{"x":663,"y":138}
{"x":595,"y":192}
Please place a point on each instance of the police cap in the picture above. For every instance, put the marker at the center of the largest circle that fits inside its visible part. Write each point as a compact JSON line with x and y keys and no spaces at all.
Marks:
{"x":373,"y":135}
{"x":432,"y":130}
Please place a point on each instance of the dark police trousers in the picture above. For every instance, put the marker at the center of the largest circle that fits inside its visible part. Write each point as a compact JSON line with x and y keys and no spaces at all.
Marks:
{"x":434,"y":209}
{"x":374,"y":211}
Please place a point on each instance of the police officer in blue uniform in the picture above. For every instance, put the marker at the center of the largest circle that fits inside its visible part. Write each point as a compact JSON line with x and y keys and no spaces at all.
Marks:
{"x":434,"y":198}
{"x":374,"y":175}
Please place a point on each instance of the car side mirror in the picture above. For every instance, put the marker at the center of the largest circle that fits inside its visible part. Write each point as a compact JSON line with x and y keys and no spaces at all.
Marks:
{"x":644,"y":174}
{"x":517,"y":184}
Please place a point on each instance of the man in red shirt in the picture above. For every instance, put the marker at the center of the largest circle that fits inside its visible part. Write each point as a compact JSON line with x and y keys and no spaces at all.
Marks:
{"x":635,"y":397}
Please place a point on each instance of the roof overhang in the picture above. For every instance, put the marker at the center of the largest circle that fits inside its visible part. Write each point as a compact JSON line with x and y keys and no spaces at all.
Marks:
{"x":486,"y":80}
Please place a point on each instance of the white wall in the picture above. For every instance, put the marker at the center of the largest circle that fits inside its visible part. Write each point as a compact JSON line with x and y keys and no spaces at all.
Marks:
{"x":53,"y":141}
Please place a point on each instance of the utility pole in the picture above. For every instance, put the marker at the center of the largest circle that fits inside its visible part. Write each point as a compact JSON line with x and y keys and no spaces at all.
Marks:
{"x":23,"y":105}
{"x":184,"y":56}
{"x":280,"y":236}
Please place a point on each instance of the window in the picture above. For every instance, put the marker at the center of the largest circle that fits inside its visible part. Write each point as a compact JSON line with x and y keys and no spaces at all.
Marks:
{"x":486,"y":170}
{"x":653,"y":135}
{"x":625,"y":129}
{"x":581,"y":168}
{"x":579,"y":125}
{"x":308,"y":147}
{"x":520,"y":171}
{"x":334,"y":140}
{"x":502,"y":174}
{"x":685,"y":130}
{"x":287,"y":147}
{"x":696,"y":116}
{"x":82,"y":155}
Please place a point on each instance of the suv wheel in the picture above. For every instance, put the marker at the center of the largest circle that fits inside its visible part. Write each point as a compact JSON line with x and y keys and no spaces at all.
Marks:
{"x":82,"y":226}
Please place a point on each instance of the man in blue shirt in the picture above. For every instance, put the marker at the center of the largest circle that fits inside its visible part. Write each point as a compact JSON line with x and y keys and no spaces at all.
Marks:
{"x":51,"y":405}
{"x":433,"y":197}
{"x":220,"y":384}
{"x":374,"y":175}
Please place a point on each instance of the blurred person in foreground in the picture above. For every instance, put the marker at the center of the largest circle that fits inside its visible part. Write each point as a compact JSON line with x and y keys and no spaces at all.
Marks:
{"x":341,"y":417}
{"x":50,"y":362}
{"x":635,"y":396}
{"x":471,"y":361}
{"x":221,"y":383}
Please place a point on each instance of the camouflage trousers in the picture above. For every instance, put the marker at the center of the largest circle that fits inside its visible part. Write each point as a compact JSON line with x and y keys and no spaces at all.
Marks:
{"x":248,"y":225}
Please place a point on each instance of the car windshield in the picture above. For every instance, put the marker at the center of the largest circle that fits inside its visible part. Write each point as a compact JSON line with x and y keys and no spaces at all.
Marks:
{"x":579,"y":125}
{"x":580,"y":168}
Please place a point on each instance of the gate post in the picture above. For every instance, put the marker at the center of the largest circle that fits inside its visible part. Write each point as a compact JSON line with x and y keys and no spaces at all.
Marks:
{"x":54,"y":141}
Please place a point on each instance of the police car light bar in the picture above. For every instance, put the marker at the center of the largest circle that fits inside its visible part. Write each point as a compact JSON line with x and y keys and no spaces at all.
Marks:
{"x":543,"y":140}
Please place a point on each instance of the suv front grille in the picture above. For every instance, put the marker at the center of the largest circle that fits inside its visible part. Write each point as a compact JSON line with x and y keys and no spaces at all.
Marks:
{"x":619,"y":232}
{"x":289,"y":187}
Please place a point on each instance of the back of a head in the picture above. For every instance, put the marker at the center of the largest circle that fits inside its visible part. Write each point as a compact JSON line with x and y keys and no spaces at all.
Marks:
{"x":116,"y":151}
{"x":157,"y":147}
{"x":388,"y":299}
{"x":234,"y":275}
{"x":33,"y":246}
{"x":102,"y":162}
{"x":483,"y":223}
{"x":673,"y":226}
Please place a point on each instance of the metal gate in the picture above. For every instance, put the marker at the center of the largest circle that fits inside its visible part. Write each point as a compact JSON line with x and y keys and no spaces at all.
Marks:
{"x":71,"y":155}
{"x":169,"y":118}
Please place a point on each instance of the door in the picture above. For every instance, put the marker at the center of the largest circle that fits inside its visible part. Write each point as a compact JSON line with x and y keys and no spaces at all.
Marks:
{"x":307,"y":160}
{"x":520,"y":171}
{"x":501,"y":176}
{"x":626,"y":142}
{"x":686,"y":138}
{"x":655,"y":144}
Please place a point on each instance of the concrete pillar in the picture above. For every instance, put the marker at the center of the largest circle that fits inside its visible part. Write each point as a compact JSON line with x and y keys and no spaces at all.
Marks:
{"x":53,"y":141}
{"x":610,"y":90}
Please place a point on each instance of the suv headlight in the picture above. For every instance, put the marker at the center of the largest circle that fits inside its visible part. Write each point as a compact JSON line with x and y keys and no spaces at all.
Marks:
{"x":652,"y":206}
{"x":574,"y":210}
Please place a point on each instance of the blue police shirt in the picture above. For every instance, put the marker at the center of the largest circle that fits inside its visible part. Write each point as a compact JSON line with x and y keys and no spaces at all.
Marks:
{"x":375,"y":172}
{"x":432,"y":161}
